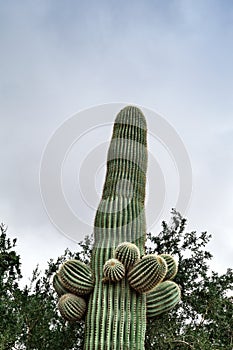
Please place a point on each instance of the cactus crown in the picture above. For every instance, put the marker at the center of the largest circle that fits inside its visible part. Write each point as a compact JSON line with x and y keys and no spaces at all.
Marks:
{"x":127,"y":156}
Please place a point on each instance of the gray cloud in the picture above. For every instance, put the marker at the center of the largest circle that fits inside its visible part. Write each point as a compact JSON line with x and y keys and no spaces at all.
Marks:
{"x":57,"y":58}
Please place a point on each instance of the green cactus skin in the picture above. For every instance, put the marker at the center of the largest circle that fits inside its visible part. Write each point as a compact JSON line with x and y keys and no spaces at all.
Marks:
{"x":147,"y":273}
{"x":116,"y":315}
{"x":128,"y":253}
{"x":58,"y":285}
{"x":163,"y":298}
{"x":72,"y":307}
{"x":117,"y":305}
{"x":114,"y":270}
{"x":172,"y":266}
{"x":76,"y":277}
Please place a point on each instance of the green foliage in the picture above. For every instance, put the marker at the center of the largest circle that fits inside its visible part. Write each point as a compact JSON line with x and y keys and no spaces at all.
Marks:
{"x":10,"y":271}
{"x":201,"y":321}
{"x":28,"y":317}
{"x":10,"y":274}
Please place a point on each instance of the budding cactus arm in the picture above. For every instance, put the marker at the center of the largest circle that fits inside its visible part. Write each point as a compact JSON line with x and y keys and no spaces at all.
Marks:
{"x":163,"y":298}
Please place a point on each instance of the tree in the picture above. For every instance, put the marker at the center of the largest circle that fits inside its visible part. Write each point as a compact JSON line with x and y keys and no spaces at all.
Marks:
{"x":10,"y":274}
{"x":202,"y":320}
{"x":28,"y":317}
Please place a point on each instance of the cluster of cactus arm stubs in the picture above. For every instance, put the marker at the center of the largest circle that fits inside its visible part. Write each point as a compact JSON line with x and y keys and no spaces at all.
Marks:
{"x":122,"y":286}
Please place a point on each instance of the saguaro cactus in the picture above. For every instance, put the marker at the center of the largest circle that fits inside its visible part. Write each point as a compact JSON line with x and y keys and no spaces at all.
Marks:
{"x":121,"y":280}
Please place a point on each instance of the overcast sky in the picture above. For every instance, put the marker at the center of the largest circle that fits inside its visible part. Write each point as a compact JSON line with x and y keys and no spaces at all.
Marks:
{"x":60,"y":57}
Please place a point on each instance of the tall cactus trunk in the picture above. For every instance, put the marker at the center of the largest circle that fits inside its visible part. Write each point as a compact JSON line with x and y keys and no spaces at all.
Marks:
{"x":124,"y":285}
{"x":116,"y":316}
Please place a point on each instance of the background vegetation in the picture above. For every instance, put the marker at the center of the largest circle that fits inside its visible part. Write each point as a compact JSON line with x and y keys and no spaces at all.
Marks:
{"x":202,"y":320}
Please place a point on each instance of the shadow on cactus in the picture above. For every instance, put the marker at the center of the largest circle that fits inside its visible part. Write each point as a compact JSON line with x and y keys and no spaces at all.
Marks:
{"x":122,"y":287}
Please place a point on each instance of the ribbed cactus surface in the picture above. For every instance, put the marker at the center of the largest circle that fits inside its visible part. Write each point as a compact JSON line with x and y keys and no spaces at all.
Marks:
{"x":172,"y":266}
{"x":72,"y":307}
{"x":163,"y":298}
{"x":76,"y":277}
{"x":113,"y":270}
{"x":128,"y":253}
{"x":121,"y":285}
{"x":147,"y":273}
{"x":116,"y":315}
{"x":59,"y":286}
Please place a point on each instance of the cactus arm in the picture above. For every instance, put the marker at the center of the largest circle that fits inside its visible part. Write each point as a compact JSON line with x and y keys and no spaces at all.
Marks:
{"x":72,"y":307}
{"x":172,"y":266}
{"x":163,"y":298}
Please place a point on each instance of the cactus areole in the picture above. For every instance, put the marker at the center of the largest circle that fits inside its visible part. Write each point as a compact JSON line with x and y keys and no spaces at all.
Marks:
{"x":121,"y":281}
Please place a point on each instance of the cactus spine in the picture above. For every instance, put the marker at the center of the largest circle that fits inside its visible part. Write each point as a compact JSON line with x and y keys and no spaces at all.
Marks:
{"x":117,"y":305}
